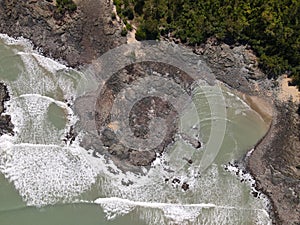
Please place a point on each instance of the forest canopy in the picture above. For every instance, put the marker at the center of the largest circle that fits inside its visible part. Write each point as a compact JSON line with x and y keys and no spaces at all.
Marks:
{"x":270,"y":27}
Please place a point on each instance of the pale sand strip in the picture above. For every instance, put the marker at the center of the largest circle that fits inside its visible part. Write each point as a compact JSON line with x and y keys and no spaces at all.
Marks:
{"x":288,"y":92}
{"x":261,"y":106}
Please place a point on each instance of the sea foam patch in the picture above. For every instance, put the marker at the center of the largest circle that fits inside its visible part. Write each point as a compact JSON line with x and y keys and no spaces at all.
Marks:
{"x":46,"y":174}
{"x":156,"y":212}
{"x":25,"y":43}
{"x":41,"y":166}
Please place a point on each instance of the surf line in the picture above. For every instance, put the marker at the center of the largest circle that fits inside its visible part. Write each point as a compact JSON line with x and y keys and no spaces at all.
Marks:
{"x":59,"y":103}
{"x":37,"y":145}
{"x":161,"y":205}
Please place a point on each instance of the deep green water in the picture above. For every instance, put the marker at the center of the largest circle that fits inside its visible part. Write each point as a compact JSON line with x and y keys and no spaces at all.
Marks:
{"x":45,"y":181}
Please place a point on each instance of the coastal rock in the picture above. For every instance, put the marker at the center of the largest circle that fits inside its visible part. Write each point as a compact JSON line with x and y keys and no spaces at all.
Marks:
{"x":191,"y":140}
{"x":274,"y":164}
{"x":176,"y":181}
{"x":71,"y":37}
{"x":108,"y":137}
{"x":234,"y":65}
{"x":185,"y":186}
{"x":142,"y":158}
{"x":6,"y":125}
{"x":122,"y":153}
{"x":144,"y":110}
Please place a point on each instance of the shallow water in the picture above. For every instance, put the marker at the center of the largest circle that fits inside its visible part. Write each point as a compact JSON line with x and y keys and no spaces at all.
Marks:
{"x":45,"y":180}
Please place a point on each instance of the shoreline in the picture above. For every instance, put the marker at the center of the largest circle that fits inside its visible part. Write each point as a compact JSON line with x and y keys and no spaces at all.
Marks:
{"x":272,"y":180}
{"x":262,"y":96}
{"x":264,"y":108}
{"x":270,"y":168}
{"x":261,"y":164}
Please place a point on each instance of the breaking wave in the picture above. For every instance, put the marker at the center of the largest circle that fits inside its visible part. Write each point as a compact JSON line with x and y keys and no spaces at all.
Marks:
{"x":46,"y":170}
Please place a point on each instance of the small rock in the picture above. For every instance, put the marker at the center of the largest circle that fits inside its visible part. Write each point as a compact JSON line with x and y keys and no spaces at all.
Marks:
{"x":185,"y":186}
{"x":127,"y":183}
{"x":119,"y":150}
{"x":175,"y":180}
{"x":142,"y":158}
{"x":108,"y":137}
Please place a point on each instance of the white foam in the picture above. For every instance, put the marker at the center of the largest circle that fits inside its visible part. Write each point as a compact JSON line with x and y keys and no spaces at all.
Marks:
{"x":49,"y":64}
{"x":250,"y":181}
{"x":46,"y":174}
{"x":101,"y":201}
{"x":20,"y":41}
{"x":49,"y":99}
{"x":150,"y":193}
{"x":64,"y":79}
{"x":177,"y":212}
{"x":42,"y":168}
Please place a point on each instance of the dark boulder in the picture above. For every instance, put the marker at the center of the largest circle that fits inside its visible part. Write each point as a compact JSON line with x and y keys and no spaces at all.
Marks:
{"x":6,"y":125}
{"x":185,"y":186}
{"x":142,"y":158}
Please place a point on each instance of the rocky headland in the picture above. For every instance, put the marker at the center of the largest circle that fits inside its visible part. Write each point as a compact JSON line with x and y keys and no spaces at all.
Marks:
{"x":73,"y":37}
{"x":275,"y":161}
{"x":79,"y":37}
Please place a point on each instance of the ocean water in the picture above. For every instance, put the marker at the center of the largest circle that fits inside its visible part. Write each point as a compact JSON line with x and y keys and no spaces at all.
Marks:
{"x":47,"y":180}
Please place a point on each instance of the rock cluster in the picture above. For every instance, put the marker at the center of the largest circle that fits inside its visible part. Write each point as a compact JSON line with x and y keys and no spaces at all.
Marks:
{"x":234,"y":65}
{"x":76,"y":38}
{"x":5,"y":121}
{"x":142,"y":113}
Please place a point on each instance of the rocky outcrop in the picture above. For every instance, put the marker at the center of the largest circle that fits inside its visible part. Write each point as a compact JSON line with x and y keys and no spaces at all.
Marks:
{"x":5,"y":121}
{"x":144,"y":110}
{"x":76,"y":38}
{"x":236,"y":65}
{"x":275,"y":164}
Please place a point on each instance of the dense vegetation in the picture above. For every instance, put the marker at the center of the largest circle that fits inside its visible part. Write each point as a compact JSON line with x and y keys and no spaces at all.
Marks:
{"x":65,"y":5}
{"x":270,"y":27}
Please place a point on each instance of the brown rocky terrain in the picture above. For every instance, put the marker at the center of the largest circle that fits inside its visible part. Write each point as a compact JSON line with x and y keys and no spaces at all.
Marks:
{"x":142,"y":112}
{"x":84,"y":35}
{"x":275,"y":164}
{"x":236,"y":65}
{"x":77,"y":37}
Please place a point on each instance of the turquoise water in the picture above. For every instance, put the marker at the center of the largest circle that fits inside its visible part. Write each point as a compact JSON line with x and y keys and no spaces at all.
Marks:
{"x":45,"y":180}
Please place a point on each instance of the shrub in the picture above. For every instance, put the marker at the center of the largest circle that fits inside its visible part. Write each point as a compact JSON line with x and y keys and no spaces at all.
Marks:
{"x":124,"y":32}
{"x":65,"y":5}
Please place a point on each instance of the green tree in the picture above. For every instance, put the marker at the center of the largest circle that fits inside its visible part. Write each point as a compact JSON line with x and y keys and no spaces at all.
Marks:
{"x":270,"y":27}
